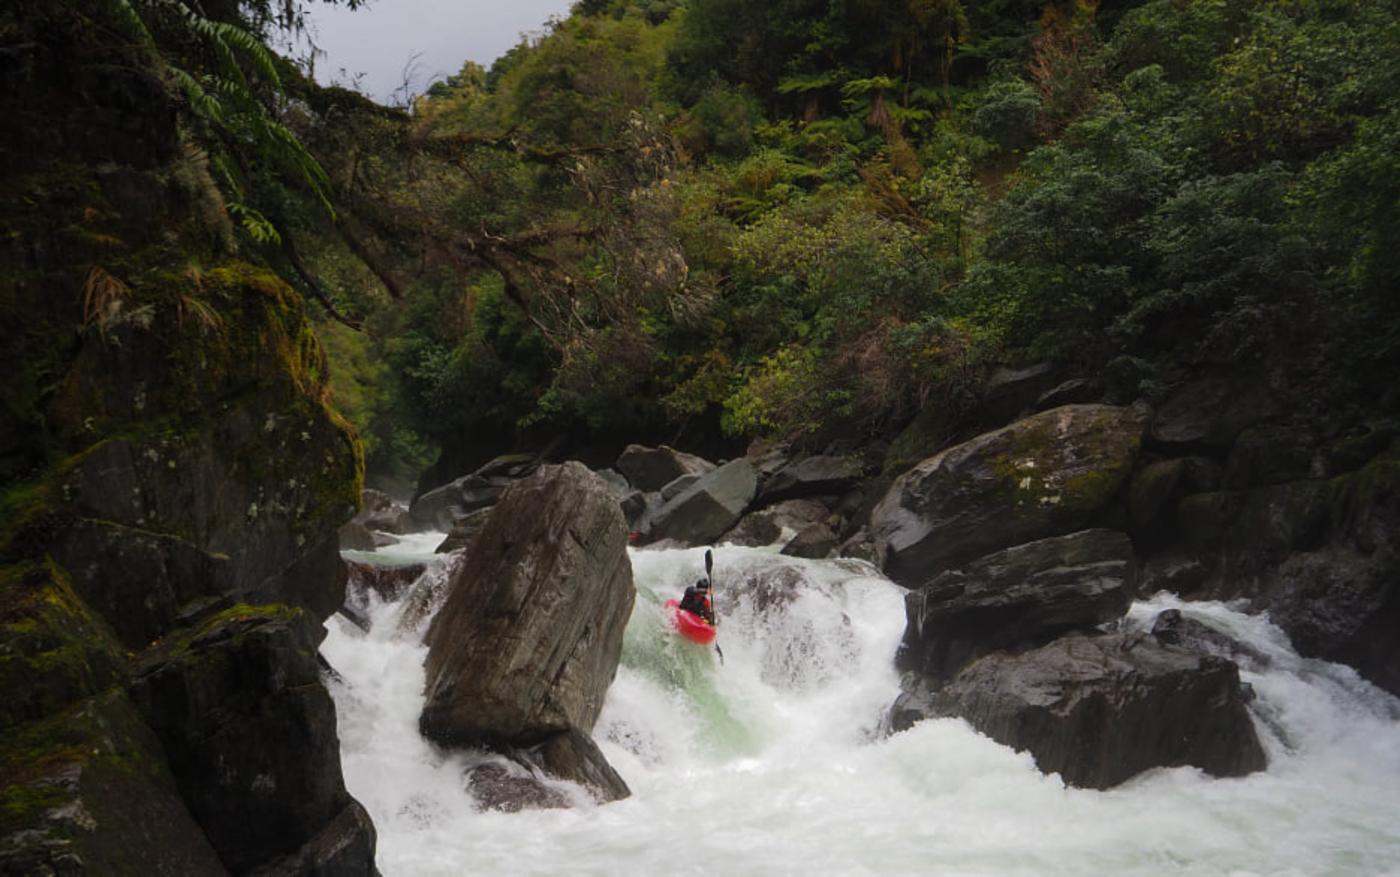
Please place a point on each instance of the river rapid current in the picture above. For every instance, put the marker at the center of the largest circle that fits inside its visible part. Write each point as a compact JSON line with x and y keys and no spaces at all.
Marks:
{"x":775,"y":762}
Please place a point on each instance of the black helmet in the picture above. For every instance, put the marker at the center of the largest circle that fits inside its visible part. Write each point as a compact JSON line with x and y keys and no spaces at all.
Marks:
{"x":702,"y":584}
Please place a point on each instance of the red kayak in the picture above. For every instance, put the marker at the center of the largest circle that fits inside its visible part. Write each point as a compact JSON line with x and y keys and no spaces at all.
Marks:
{"x":690,"y":625}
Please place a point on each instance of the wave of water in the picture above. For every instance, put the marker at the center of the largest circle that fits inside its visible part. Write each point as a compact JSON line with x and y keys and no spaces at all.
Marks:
{"x":773,"y":763}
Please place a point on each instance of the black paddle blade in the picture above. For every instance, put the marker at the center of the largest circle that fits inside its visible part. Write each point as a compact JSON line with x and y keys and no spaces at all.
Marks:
{"x":720,"y":652}
{"x":709,"y":562}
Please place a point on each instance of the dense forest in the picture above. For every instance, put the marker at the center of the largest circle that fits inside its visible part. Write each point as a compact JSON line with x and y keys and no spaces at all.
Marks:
{"x":712,"y":221}
{"x":811,"y":221}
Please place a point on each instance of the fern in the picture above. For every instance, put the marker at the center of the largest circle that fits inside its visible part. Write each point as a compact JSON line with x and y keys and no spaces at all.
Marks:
{"x":227,"y":101}
{"x":259,"y":227}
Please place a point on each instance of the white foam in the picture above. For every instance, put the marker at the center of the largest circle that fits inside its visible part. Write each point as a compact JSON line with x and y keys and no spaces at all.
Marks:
{"x":769,"y":764}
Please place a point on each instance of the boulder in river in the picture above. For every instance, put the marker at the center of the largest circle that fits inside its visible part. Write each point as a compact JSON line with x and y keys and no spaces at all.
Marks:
{"x":705,"y":510}
{"x":1019,"y":596}
{"x":441,"y":507}
{"x":1047,"y":475}
{"x":528,"y":641}
{"x":463,"y":529}
{"x":818,"y":475}
{"x":768,"y":526}
{"x":1098,"y":710}
{"x":650,"y":469}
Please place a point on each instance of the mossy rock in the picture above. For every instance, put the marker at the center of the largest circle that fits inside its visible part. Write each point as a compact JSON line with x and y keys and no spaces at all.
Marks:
{"x":86,"y":790}
{"x":1046,"y":475}
{"x":250,"y":732}
{"x":53,"y":650}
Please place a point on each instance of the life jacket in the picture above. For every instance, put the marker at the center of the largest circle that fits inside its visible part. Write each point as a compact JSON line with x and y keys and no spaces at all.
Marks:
{"x":697,"y":603}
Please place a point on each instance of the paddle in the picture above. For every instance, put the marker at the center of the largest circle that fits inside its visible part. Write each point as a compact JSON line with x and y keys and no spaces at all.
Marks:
{"x":714,"y":618}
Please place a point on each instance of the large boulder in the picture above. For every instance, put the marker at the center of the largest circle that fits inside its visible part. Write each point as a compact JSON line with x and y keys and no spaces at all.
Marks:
{"x":379,"y":511}
{"x":442,"y":507}
{"x":1211,"y":412}
{"x":815,"y":540}
{"x":650,"y":469}
{"x":1015,"y":597}
{"x":530,"y":636}
{"x":1322,"y":556}
{"x":1009,"y":393}
{"x":1047,"y":475}
{"x":1098,"y":710}
{"x":818,"y":475}
{"x":249,"y":731}
{"x":705,"y":510}
{"x":771,"y":525}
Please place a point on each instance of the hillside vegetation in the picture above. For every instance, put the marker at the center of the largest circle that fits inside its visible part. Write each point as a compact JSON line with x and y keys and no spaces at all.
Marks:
{"x":709,"y":221}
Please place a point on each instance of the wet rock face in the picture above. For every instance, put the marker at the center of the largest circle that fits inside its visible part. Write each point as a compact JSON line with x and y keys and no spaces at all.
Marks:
{"x":1100,"y":709}
{"x":530,"y":636}
{"x":1016,"y":597}
{"x":511,"y":788}
{"x":1047,"y":475}
{"x":203,"y":470}
{"x":388,"y":583}
{"x":249,"y":732}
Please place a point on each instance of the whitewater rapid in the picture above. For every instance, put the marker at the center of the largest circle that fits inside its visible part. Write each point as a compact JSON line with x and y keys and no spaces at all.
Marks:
{"x":774,"y":763}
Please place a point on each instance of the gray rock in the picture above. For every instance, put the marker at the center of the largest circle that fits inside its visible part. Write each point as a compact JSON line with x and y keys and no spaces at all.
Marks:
{"x":1171,"y":628}
{"x":344,"y":848}
{"x":510,"y":788}
{"x":1047,"y":475}
{"x":1019,"y":596}
{"x":1172,"y":571}
{"x":678,"y":486}
{"x":249,"y":730}
{"x":1211,"y":412}
{"x":388,"y":583}
{"x":1098,"y":710}
{"x":811,"y":476}
{"x":709,"y":507}
{"x":1078,"y":391}
{"x":616,"y":481}
{"x":766,"y":526}
{"x":815,"y":540}
{"x":354,"y":537}
{"x":650,"y":469}
{"x":462,"y":531}
{"x":441,"y":507}
{"x":634,"y":508}
{"x":572,"y":755}
{"x":530,"y":635}
{"x":379,"y":511}
{"x":1011,"y":392}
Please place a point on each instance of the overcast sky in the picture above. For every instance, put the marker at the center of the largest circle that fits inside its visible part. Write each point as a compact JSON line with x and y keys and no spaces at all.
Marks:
{"x":379,"y":40}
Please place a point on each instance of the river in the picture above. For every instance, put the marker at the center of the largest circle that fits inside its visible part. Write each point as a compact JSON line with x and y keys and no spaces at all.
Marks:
{"x":774,"y":762}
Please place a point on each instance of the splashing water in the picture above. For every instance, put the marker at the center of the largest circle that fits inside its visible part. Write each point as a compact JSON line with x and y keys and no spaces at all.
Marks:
{"x":773,"y":763}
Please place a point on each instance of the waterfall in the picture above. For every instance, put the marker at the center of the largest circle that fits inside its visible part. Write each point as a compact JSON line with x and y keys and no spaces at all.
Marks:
{"x":774,"y":761}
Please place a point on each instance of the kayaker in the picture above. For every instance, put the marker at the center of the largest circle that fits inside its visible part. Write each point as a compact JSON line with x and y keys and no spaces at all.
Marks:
{"x":697,"y":601}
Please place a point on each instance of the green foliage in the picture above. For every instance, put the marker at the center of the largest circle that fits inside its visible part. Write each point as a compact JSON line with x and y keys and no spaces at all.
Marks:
{"x":813,"y":220}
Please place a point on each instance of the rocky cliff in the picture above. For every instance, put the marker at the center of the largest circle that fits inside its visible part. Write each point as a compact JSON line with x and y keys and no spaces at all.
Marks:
{"x":174,"y":475}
